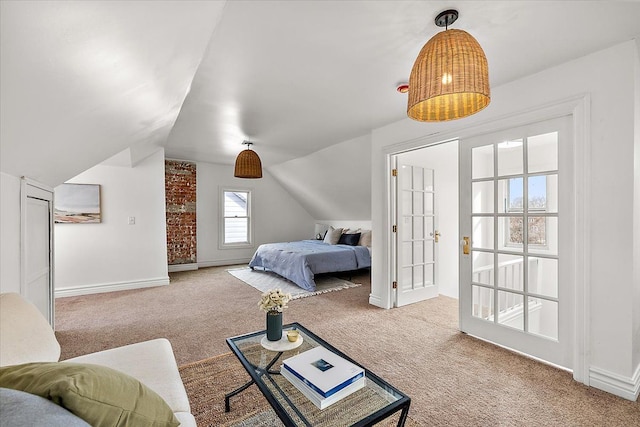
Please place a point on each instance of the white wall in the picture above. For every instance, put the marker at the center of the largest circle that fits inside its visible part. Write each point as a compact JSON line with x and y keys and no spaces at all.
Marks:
{"x":636,"y":226}
{"x":443,"y":159}
{"x":333,"y":183}
{"x":277,"y":216}
{"x":610,"y":191}
{"x":114,"y":255}
{"x":9,"y":233}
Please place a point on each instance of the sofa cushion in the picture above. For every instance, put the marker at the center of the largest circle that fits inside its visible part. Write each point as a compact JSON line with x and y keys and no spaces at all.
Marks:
{"x":99,"y":395}
{"x":152,"y":363}
{"x":26,"y":335}
{"x":18,"y":408}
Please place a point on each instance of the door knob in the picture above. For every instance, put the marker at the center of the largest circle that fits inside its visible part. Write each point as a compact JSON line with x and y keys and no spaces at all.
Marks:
{"x":436,"y":236}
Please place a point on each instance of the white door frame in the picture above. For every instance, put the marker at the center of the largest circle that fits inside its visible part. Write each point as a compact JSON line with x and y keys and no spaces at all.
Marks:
{"x":578,"y":108}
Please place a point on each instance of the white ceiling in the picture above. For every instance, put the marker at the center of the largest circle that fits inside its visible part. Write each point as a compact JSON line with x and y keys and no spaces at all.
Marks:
{"x":89,"y":79}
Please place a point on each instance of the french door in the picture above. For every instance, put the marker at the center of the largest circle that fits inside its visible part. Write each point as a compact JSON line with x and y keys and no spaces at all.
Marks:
{"x":416,"y":234}
{"x":516,"y":208}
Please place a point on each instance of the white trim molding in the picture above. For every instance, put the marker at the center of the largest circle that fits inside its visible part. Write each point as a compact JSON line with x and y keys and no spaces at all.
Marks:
{"x":205,"y":264}
{"x":375,"y":300}
{"x":111,"y":287}
{"x":625,"y":387}
{"x":183,"y":267}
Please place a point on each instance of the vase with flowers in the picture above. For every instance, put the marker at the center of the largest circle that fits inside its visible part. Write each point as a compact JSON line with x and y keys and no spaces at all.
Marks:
{"x":274,"y":302}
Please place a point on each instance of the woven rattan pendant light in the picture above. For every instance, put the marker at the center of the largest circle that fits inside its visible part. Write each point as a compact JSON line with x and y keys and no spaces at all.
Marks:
{"x":248,"y":164}
{"x":450,"y":77}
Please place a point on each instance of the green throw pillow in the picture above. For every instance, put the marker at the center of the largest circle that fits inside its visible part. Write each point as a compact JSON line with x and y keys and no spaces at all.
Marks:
{"x":101,"y":396}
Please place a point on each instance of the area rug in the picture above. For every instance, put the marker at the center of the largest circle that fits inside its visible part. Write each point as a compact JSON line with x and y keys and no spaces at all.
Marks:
{"x":208,"y":380}
{"x":266,"y":280}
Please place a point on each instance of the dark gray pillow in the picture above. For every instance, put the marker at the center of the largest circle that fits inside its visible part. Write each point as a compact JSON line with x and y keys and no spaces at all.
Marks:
{"x":349,"y":239}
{"x":18,"y":408}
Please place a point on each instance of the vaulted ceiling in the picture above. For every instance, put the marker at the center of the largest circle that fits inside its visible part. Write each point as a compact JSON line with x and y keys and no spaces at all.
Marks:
{"x":82,"y":81}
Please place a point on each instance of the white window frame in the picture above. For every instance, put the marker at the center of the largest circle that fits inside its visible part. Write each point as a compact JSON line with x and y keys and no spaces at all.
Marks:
{"x":221,"y":218}
{"x":507,"y":230}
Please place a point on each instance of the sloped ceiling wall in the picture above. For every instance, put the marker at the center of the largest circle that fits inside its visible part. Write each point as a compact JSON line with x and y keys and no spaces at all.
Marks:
{"x":333,"y":183}
{"x":83,"y":81}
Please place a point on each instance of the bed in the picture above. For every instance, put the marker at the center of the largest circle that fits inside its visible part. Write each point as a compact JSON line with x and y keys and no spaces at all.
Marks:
{"x":300,"y":261}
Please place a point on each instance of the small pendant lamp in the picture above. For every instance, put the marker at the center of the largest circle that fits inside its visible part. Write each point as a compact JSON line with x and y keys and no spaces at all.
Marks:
{"x":450,"y":77}
{"x":248,"y":164}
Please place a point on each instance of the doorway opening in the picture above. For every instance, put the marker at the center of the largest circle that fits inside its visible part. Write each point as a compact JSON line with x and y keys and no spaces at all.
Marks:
{"x":426,"y":215}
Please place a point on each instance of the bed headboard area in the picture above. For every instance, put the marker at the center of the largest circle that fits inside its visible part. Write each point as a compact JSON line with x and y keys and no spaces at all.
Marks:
{"x":332,"y":231}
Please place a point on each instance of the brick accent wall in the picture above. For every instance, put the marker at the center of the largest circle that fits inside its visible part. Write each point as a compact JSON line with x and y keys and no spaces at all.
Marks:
{"x":180,"y":194}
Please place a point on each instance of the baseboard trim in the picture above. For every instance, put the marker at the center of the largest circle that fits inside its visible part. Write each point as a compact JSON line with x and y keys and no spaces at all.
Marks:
{"x":204,"y":264}
{"x":110,"y":287}
{"x":625,"y":387}
{"x":376,"y":300}
{"x":183,"y":267}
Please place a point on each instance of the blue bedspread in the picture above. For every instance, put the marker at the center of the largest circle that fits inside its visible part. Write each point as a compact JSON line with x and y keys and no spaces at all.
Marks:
{"x":300,"y":261}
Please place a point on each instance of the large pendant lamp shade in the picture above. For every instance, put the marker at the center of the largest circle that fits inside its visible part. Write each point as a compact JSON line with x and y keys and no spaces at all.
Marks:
{"x":248,"y":164}
{"x":450,"y":77}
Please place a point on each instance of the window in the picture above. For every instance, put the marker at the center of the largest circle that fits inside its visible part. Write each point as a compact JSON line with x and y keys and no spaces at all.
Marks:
{"x":537,"y":225}
{"x":236,"y":218}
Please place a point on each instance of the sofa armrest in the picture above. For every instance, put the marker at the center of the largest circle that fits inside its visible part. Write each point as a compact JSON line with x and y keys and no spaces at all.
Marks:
{"x":25,"y":335}
{"x":150,"y":362}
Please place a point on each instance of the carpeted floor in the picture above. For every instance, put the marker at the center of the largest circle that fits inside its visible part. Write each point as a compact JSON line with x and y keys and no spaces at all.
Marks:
{"x":453,"y":379}
{"x":207,"y":382}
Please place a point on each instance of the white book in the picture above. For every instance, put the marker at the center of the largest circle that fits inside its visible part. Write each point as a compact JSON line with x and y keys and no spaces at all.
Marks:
{"x":315,"y":398}
{"x":323,"y":371}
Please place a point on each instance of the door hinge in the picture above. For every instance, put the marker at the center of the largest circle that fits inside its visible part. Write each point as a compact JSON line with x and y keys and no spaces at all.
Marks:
{"x":395,"y":285}
{"x":394,"y":228}
{"x":394,"y":172}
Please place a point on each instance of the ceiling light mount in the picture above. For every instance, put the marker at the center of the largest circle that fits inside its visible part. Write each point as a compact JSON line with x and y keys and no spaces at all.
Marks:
{"x":248,"y":164}
{"x":446,"y":18}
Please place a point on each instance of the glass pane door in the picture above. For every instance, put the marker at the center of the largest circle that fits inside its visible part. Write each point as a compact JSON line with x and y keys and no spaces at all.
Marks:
{"x":511,"y":209}
{"x":416,"y":235}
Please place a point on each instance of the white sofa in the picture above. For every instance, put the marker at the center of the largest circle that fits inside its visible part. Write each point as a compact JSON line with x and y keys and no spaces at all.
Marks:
{"x":26,"y":336}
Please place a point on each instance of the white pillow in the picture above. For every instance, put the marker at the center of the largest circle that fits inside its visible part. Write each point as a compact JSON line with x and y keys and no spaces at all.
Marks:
{"x":350,"y":231}
{"x":333,"y":235}
{"x":365,"y":238}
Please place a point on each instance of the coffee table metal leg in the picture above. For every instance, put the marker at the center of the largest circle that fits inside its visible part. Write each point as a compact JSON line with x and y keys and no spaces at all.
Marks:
{"x":403,"y":416}
{"x":259,"y":371}
{"x":227,"y":405}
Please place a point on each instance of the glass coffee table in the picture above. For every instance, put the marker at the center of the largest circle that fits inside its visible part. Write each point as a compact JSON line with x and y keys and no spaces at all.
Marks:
{"x":373,"y":403}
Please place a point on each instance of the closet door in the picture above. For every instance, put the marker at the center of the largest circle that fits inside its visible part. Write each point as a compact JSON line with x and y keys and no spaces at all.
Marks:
{"x":37,"y":243}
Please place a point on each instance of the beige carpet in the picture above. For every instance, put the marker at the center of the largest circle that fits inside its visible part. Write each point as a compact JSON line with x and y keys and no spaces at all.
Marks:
{"x":208,"y":380}
{"x":453,"y":379}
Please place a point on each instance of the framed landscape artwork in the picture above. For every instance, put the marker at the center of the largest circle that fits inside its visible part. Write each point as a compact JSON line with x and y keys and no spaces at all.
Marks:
{"x":77,"y":203}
